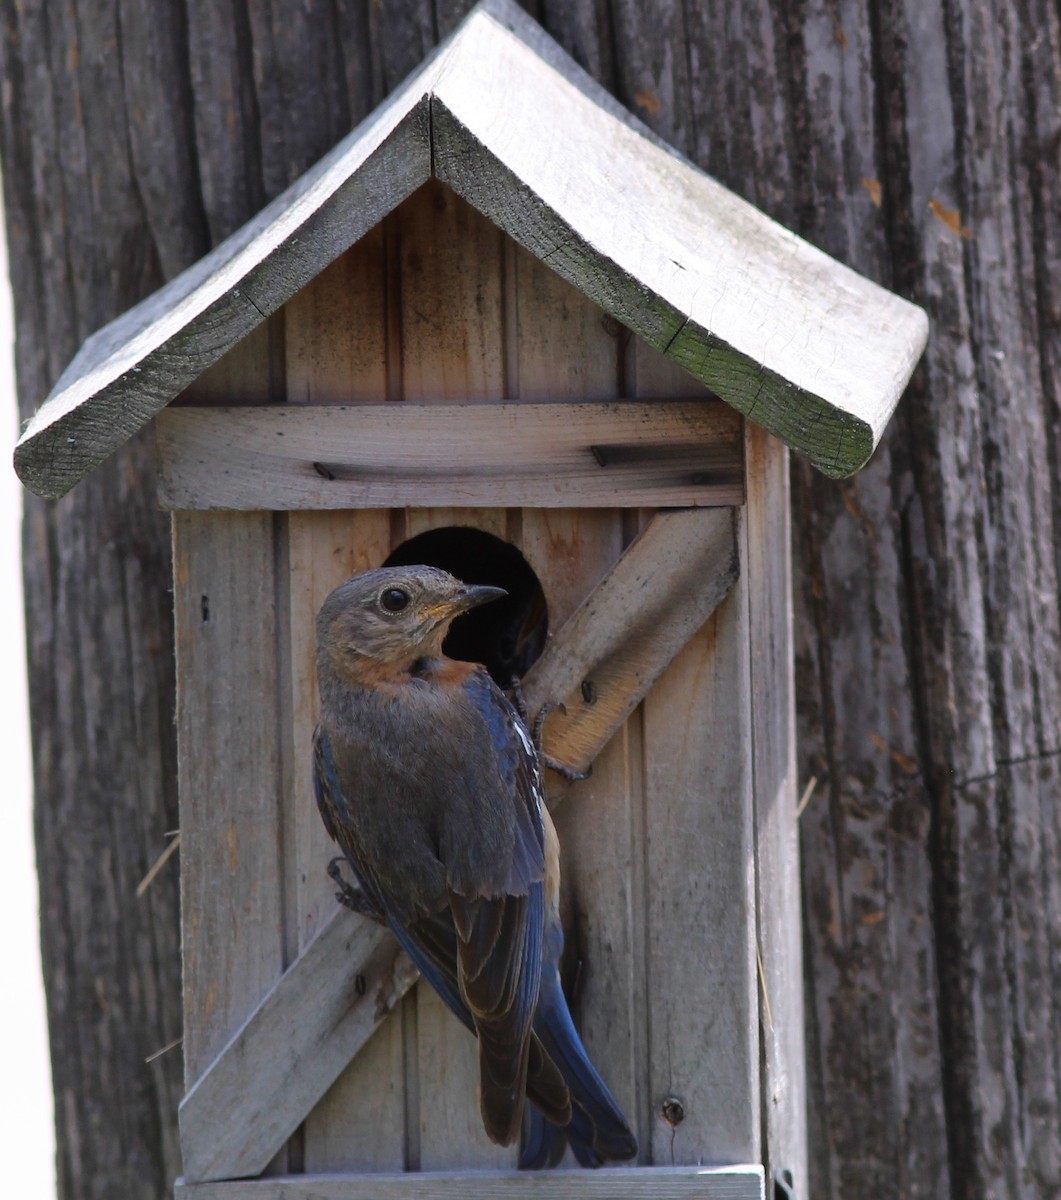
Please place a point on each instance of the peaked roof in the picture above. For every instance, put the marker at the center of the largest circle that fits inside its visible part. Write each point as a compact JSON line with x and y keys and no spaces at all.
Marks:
{"x":796,"y":341}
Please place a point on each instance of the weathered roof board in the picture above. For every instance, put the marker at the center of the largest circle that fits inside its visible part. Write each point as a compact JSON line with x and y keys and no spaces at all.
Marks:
{"x":797,"y":342}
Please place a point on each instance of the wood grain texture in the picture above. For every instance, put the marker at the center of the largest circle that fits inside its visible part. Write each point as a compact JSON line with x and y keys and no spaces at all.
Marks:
{"x":945,"y":114}
{"x":250,"y":1099}
{"x":232,"y":920}
{"x":811,"y":351}
{"x":768,"y":571}
{"x":623,"y":636}
{"x":672,"y":454}
{"x":130,"y":370}
{"x":935,"y":578}
{"x":571,"y":551}
{"x":360,"y":1122}
{"x":616,"y":1183}
{"x":244,"y":1099}
{"x":699,"y":938}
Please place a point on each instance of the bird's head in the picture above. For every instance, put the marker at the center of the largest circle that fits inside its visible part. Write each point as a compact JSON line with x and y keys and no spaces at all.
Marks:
{"x":391,"y":617}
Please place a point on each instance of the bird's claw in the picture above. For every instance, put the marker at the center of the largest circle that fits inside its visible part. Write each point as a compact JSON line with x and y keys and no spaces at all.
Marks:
{"x":535,"y":729}
{"x":563,"y":769}
{"x":351,"y":896}
{"x":518,"y":702}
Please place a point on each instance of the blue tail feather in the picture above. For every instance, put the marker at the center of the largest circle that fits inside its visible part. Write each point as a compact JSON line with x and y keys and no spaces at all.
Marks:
{"x":598,"y":1130}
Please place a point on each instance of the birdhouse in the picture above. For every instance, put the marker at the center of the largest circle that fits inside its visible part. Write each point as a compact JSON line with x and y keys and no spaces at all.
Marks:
{"x":502,"y":329}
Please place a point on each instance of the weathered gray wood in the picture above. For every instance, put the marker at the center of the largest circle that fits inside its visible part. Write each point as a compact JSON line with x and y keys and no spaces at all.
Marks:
{"x":820,"y":98}
{"x":697,"y":843}
{"x":803,"y":346}
{"x":131,"y":369}
{"x":670,"y":454}
{"x":360,"y":1121}
{"x":291,"y":1049}
{"x":766,"y":552}
{"x":450,"y":314}
{"x":313,"y":1010}
{"x":929,"y":654}
{"x":232,"y":939}
{"x":618,"y":642}
{"x":616,"y":1183}
{"x":795,"y":340}
{"x":571,"y":550}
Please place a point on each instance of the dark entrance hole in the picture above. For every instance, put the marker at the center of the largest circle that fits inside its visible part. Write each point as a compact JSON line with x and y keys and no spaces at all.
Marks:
{"x":506,"y":636}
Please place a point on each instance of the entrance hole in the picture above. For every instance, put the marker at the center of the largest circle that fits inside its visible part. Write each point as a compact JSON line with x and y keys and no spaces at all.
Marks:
{"x":506,"y":636}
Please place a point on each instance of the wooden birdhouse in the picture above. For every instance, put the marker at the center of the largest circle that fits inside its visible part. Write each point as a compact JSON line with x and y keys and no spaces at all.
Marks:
{"x":504,"y":330}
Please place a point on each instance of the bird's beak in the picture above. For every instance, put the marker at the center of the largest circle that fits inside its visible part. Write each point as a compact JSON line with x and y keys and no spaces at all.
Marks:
{"x":470,"y":596}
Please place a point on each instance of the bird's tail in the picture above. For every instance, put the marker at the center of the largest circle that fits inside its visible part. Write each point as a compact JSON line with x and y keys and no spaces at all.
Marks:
{"x":597,"y":1131}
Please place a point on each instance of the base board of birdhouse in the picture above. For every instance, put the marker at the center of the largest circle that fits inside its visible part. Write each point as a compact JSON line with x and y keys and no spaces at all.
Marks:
{"x":613,"y":1183}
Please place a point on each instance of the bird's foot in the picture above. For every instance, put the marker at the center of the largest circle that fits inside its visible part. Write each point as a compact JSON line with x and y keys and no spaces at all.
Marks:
{"x":564,"y":770}
{"x":535,"y":729}
{"x":518,"y":701}
{"x":353,"y":897}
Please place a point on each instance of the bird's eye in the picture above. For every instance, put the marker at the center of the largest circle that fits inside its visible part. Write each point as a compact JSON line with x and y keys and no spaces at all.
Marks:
{"x":394,"y":600}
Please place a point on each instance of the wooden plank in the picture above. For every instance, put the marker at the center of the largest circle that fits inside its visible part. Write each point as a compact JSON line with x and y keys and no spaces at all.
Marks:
{"x":311,"y":1011}
{"x":767,"y":552}
{"x":253,"y":1097}
{"x":337,"y":328}
{"x":799,"y":342}
{"x":563,"y":347}
{"x":668,"y":454}
{"x":232,"y":933}
{"x":618,"y":642}
{"x":132,"y":368}
{"x":452,"y":341}
{"x":698,"y":919}
{"x":615,"y":1183}
{"x":803,"y":345}
{"x":337,"y":335}
{"x":360,"y":1122}
{"x":451,"y":347}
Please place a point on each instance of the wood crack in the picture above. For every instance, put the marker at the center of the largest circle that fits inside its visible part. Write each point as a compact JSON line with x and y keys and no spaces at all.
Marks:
{"x":1004,"y":764}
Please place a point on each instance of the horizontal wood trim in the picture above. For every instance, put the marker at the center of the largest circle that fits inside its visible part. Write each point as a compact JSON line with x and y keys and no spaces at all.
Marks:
{"x":675,"y":453}
{"x":613,"y":1183}
{"x":624,"y":635}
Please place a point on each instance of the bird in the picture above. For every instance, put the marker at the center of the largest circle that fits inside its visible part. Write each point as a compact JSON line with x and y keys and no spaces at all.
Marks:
{"x":429,"y":782}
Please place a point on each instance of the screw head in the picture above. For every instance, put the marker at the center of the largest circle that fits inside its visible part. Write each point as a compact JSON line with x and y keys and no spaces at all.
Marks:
{"x":672,"y":1110}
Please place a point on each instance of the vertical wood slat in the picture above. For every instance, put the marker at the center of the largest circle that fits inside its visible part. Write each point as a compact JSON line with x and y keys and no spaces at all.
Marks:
{"x":452,"y":346}
{"x":227,"y":631}
{"x":336,"y":344}
{"x":449,"y":1125}
{"x":360,"y":1122}
{"x":564,"y":343}
{"x":767,"y":552}
{"x":700,"y":973}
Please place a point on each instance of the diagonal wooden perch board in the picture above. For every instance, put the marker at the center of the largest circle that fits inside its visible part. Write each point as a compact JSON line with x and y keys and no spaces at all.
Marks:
{"x":618,"y":641}
{"x":327,"y":1004}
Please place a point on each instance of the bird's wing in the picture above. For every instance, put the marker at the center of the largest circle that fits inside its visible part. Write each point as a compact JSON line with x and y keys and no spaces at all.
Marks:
{"x":499,"y":936}
{"x":483,"y":957}
{"x":334,"y":810}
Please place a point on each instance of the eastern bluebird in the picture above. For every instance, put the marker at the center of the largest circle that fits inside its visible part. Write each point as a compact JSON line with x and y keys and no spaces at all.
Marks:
{"x":428,"y":780}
